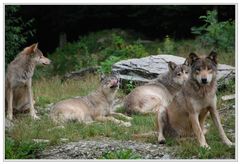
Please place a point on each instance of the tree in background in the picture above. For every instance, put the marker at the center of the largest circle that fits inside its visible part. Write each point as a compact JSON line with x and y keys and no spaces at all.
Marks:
{"x":214,"y":33}
{"x":16,"y":32}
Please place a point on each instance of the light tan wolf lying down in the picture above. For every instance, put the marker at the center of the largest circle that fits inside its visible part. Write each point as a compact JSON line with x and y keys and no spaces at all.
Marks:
{"x":159,"y":92}
{"x":96,"y":106}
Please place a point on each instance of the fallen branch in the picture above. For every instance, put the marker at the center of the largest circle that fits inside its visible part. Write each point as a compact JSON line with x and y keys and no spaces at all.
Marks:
{"x":81,"y":73}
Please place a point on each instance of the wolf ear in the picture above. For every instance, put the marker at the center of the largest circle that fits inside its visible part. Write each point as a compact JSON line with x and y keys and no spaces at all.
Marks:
{"x":213,"y":56}
{"x":192,"y":58}
{"x":102,"y":76}
{"x":186,"y":62}
{"x":31,"y":49}
{"x":172,"y":66}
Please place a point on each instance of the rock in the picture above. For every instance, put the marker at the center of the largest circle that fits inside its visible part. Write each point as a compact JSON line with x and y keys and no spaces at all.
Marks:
{"x":64,"y":139}
{"x":144,"y":69}
{"x":57,"y":127}
{"x":228,"y":97}
{"x":94,"y":149}
{"x":41,"y":141}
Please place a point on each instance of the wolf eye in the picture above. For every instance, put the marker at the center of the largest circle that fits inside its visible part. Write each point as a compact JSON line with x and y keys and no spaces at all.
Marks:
{"x":198,"y":69}
{"x":209,"y":69}
{"x":179,"y":74}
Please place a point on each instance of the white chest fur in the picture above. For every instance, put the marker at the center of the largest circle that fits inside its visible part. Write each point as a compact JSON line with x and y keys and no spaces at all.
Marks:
{"x":199,"y":104}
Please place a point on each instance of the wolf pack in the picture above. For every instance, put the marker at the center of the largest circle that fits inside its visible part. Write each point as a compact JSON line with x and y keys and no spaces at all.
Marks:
{"x":181,"y":99}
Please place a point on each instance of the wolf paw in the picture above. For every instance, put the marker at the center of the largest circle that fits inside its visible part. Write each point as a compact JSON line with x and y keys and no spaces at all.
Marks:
{"x":230,"y":144}
{"x":206,"y":146}
{"x":129,"y":118}
{"x":163,"y":141}
{"x":35,"y":117}
{"x":10,"y":117}
{"x":127,"y":124}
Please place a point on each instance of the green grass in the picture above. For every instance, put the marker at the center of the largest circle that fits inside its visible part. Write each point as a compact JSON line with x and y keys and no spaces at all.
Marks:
{"x":120,"y":154}
{"x":19,"y":141}
{"x":25,"y":149}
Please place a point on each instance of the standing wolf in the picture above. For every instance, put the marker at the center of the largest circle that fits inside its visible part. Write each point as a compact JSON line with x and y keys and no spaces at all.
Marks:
{"x":18,"y":84}
{"x":97,"y":106}
{"x":148,"y":98}
{"x":186,"y":114}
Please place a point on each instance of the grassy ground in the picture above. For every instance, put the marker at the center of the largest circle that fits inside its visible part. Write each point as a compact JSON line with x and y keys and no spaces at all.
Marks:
{"x":19,"y":142}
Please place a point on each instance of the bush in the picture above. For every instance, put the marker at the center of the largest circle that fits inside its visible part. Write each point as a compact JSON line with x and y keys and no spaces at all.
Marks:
{"x":168,"y":45}
{"x":101,"y":48}
{"x":216,"y":34}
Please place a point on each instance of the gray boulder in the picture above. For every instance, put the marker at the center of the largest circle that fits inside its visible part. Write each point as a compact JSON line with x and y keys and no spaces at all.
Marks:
{"x":144,"y":69}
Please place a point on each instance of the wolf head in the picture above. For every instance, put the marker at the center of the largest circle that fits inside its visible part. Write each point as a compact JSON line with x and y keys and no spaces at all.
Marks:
{"x":36,"y":55}
{"x":179,"y":73}
{"x":109,"y":84}
{"x":204,"y":68}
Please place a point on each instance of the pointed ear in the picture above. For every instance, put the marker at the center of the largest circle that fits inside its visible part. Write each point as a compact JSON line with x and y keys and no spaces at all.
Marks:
{"x":35,"y":46}
{"x":192,"y":58}
{"x":31,"y":49}
{"x":102,"y":76}
{"x":171,"y":66}
{"x":186,"y":62}
{"x":213,"y":57}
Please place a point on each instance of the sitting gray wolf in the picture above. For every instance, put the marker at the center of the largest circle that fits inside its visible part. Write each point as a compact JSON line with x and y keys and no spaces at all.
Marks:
{"x":97,"y":106}
{"x":147,"y":98}
{"x":186,"y":114}
{"x":18,"y":83}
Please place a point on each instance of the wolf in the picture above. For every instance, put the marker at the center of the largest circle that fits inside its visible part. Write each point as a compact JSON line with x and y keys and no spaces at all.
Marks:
{"x":186,"y":114}
{"x":158,"y":92}
{"x":97,"y":106}
{"x":18,"y":83}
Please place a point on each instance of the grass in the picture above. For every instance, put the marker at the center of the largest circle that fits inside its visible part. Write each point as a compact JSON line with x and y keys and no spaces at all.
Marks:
{"x":19,"y":141}
{"x":120,"y":154}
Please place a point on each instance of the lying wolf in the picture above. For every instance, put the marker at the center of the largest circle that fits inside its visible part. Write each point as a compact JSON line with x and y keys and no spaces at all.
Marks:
{"x":18,"y":84}
{"x":159,"y":92}
{"x":186,"y":114}
{"x":97,"y":106}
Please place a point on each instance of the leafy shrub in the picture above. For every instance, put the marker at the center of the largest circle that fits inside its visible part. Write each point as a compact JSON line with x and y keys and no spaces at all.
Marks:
{"x":120,"y":154}
{"x":71,"y":57}
{"x":99,"y":48}
{"x":21,"y":150}
{"x":216,"y":34}
{"x":168,"y":45}
{"x":130,"y":86}
{"x":15,"y":36}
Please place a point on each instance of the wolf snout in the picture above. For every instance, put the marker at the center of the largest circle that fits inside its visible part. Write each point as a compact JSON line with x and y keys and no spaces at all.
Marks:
{"x":47,"y":62}
{"x":204,"y":80}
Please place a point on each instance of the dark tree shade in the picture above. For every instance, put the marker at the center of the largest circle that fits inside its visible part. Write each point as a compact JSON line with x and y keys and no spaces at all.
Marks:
{"x":153,"y":21}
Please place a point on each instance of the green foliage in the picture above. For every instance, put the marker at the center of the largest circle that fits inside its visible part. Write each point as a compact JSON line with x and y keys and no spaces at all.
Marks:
{"x":107,"y":64}
{"x":101,"y":48}
{"x":130,"y":86}
{"x":168,"y":45}
{"x":120,"y":154}
{"x":71,"y":57}
{"x":21,"y":149}
{"x":216,"y":34}
{"x":15,"y":32}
